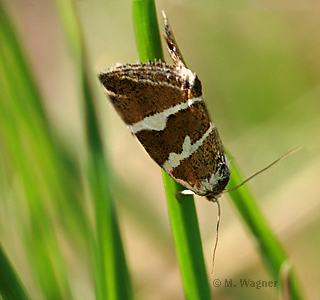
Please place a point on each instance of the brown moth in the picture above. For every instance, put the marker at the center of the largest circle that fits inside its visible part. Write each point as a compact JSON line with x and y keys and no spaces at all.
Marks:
{"x":163,"y":107}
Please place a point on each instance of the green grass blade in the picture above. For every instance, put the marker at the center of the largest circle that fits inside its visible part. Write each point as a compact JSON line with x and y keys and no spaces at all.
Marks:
{"x":146,"y":30}
{"x":10,"y":285}
{"x":111,"y":275}
{"x":187,"y":239}
{"x":32,"y":159}
{"x":183,"y":216}
{"x":270,"y":248}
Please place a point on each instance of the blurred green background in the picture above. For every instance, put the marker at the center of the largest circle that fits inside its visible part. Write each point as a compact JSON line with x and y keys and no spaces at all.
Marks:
{"x":259,"y":63}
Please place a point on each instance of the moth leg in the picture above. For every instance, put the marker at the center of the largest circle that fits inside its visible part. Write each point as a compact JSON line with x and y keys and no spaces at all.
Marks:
{"x":172,"y":45}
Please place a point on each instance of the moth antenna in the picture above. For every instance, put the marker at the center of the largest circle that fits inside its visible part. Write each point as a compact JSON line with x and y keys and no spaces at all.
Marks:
{"x":262,"y":170}
{"x":217,"y":236}
{"x":172,"y":45}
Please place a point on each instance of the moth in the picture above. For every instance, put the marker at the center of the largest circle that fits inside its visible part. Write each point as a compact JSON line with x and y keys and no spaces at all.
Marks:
{"x":163,"y":106}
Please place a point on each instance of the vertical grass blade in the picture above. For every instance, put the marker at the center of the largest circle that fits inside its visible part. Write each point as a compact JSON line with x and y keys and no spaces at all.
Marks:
{"x":112,"y":279}
{"x":183,"y":216}
{"x":188,"y":242}
{"x":33,"y":160}
{"x":146,"y":30}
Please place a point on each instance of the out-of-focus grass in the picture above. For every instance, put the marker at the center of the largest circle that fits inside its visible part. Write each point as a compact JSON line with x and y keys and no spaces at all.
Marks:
{"x":49,"y":186}
{"x":39,"y":180}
